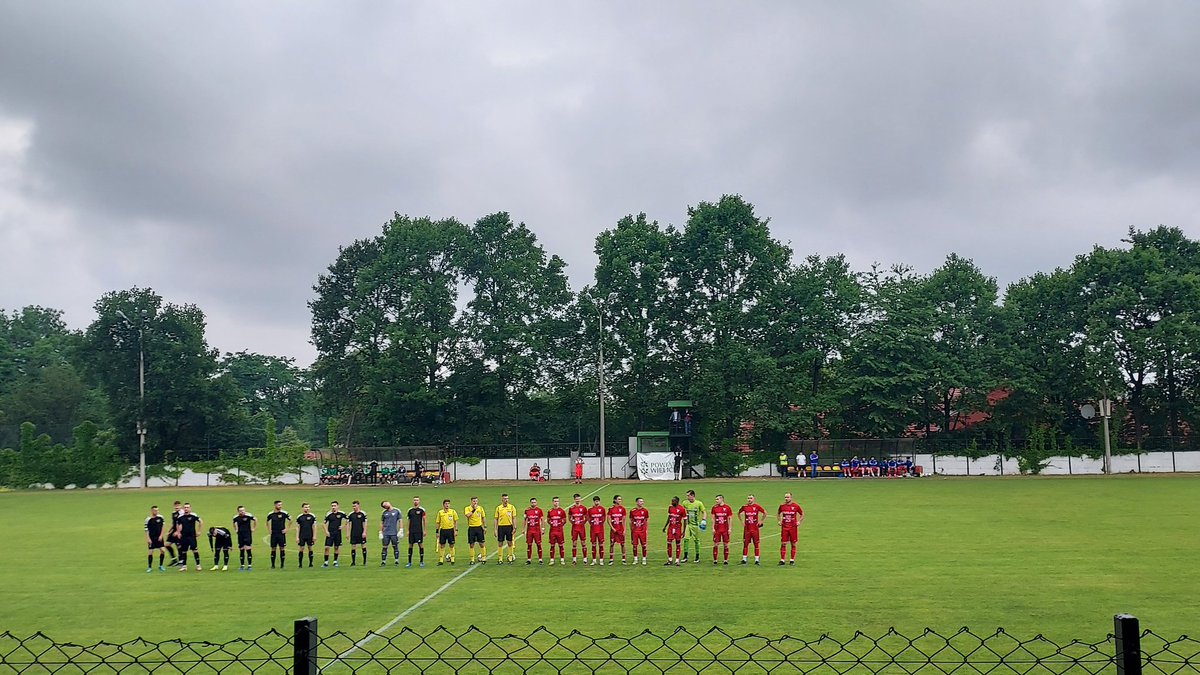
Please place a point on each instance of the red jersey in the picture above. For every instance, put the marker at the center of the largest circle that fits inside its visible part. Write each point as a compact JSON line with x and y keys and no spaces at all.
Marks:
{"x":639,"y":519}
{"x":755,"y":514}
{"x":557,"y":518}
{"x":577,"y":514}
{"x":722,"y":515}
{"x":533,"y":518}
{"x":596,"y":516}
{"x":789,"y":513}
{"x":616,"y":518}
{"x":675,"y":517}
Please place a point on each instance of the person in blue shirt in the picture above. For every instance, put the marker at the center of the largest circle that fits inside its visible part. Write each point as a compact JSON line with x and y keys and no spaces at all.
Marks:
{"x":813,"y":461}
{"x":891,"y":466}
{"x":908,"y":466}
{"x":854,"y":466}
{"x":873,"y":467}
{"x":845,"y":468}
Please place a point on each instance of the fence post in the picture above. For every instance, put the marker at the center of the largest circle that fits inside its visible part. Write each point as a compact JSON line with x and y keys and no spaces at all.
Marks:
{"x":304,"y":647}
{"x":1127,"y":645}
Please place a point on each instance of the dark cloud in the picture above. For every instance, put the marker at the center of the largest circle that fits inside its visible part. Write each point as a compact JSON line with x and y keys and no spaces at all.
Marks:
{"x":221,"y":154}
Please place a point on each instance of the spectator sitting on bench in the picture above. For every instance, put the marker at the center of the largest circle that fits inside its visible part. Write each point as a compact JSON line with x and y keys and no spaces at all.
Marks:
{"x":535,"y":473}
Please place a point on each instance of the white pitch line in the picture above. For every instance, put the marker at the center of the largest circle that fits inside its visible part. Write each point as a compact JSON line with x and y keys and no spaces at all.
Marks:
{"x":402,"y":615}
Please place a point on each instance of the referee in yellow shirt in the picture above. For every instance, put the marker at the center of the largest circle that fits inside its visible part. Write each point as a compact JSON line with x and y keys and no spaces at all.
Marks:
{"x":446,"y":522}
{"x":506,"y":515}
{"x":474,"y":513}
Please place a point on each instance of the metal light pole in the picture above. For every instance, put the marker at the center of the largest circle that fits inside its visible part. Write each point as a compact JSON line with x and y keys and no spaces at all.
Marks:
{"x":1105,"y":413}
{"x":141,"y":423}
{"x":600,"y":369}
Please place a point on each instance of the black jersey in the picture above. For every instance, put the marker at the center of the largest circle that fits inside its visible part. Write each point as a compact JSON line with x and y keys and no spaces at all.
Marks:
{"x":244,"y":524}
{"x":175,"y":518}
{"x":278,"y":521}
{"x":416,"y":520}
{"x":358,"y":522}
{"x":305,"y":522}
{"x":334,"y":520}
{"x":219,"y":537}
{"x":154,"y":527}
{"x":188,"y":522}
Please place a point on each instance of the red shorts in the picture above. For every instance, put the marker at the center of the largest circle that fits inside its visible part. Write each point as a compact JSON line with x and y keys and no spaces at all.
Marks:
{"x":578,"y":534}
{"x":616,"y":536}
{"x":789,"y":535}
{"x":720,"y":536}
{"x":674,"y":534}
{"x":533,"y":535}
{"x":639,"y":537}
{"x":750,"y":536}
{"x":556,"y":536}
{"x":598,"y":536}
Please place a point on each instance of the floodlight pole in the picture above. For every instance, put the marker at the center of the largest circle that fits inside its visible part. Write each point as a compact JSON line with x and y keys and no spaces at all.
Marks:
{"x":141,"y":422}
{"x":600,"y":370}
{"x":1105,"y":413}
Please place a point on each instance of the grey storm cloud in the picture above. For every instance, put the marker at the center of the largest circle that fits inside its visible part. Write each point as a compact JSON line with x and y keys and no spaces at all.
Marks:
{"x":220,"y":153}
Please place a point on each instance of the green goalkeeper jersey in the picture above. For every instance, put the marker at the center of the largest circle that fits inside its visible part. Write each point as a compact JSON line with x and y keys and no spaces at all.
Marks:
{"x":695,"y":512}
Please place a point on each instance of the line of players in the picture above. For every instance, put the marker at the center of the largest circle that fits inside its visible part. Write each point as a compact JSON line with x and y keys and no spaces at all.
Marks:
{"x":684,"y":522}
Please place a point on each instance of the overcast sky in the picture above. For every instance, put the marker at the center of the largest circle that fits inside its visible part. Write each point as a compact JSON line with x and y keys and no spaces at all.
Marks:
{"x":220,"y":152}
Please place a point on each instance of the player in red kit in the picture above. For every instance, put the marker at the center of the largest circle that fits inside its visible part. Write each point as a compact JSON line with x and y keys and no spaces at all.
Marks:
{"x":533,"y":531}
{"x":752,"y":515}
{"x":577,"y":516}
{"x":556,"y":518}
{"x":676,"y":521}
{"x":596,"y":517}
{"x":722,"y":515}
{"x":790,"y":517}
{"x":639,"y":522}
{"x":616,"y":529}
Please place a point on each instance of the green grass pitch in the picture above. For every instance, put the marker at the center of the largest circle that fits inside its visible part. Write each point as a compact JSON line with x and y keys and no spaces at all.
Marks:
{"x":1057,"y":556}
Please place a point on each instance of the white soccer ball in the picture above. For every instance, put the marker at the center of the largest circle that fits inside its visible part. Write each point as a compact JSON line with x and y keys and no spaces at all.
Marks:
{"x":447,"y":557}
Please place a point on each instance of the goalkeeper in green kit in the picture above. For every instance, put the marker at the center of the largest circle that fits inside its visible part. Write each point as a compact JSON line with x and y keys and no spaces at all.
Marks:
{"x":695,"y":522}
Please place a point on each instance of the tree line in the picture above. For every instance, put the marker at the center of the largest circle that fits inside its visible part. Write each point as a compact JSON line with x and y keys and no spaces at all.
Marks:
{"x":440,"y":332}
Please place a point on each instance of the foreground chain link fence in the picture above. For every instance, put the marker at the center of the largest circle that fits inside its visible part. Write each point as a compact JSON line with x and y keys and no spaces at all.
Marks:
{"x":1128,"y":651}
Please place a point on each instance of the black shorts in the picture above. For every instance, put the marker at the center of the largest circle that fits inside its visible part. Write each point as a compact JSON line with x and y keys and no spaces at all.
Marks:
{"x":278,"y":540}
{"x":474,"y":535}
{"x":308,"y":541}
{"x":154,"y":543}
{"x":416,"y":536}
{"x":445,"y":536}
{"x":334,"y":539}
{"x":245,"y":539}
{"x":358,"y":539}
{"x":187,"y":544}
{"x":504,"y":533}
{"x":172,"y":538}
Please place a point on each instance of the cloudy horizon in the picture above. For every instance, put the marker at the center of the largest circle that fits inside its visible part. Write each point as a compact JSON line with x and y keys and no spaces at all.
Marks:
{"x":221,"y":154}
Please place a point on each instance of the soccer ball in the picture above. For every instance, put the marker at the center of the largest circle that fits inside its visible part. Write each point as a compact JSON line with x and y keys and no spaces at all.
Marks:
{"x":479,"y":557}
{"x":511,"y":558}
{"x":447,"y":557}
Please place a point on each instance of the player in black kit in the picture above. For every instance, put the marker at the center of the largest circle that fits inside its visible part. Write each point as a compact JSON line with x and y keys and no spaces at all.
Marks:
{"x":358,"y":533}
{"x":245,"y":524}
{"x":416,"y":530}
{"x":220,"y":541}
{"x":335,"y":520}
{"x":154,"y":540}
{"x":305,"y":524}
{"x":173,"y":534}
{"x":189,"y":525}
{"x":278,"y":522}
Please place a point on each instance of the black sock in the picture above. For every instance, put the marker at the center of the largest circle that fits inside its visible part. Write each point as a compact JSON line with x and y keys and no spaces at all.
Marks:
{"x":197,"y":555}
{"x":396,"y":552}
{"x":410,"y":555}
{"x":160,"y":559}
{"x":335,"y":555}
{"x":249,"y":558}
{"x":242,"y":557}
{"x":310,"y":558}
{"x":300,"y":559}
{"x":150,"y":560}
{"x":282,"y":557}
{"x":422,"y":554}
{"x":326,"y":557}
{"x":353,"y":556}
{"x":226,"y":557}
{"x":272,"y":558}
{"x":364,"y":555}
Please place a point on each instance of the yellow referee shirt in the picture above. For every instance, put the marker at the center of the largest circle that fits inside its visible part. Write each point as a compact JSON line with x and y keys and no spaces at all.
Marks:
{"x":506,"y":515}
{"x":446,"y":520}
{"x":474,"y":515}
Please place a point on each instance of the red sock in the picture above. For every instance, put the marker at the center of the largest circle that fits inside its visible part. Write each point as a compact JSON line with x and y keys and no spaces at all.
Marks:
{"x":727,"y":551}
{"x":715,"y":553}
{"x":793,"y":550}
{"x":782,"y":551}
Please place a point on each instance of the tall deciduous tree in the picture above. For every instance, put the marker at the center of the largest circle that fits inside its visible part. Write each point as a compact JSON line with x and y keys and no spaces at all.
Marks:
{"x":184,"y":406}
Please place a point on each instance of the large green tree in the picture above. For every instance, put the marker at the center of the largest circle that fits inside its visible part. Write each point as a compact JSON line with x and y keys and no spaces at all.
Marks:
{"x":186,"y":407}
